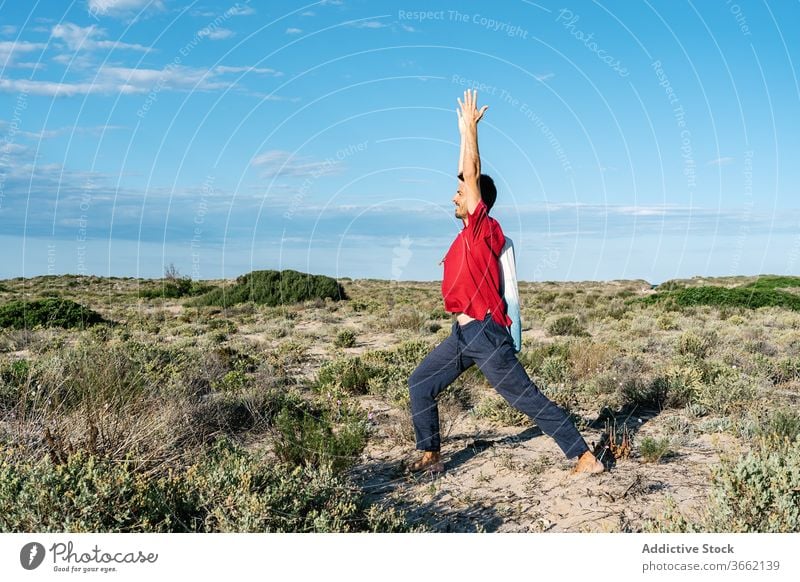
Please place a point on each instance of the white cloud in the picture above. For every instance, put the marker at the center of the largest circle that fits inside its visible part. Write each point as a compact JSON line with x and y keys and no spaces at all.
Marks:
{"x":222,"y":69}
{"x":32,"y":66}
{"x":308,"y":13}
{"x":239,"y":10}
{"x":285,"y":164}
{"x":726,"y":161}
{"x":8,"y":29}
{"x":12,"y":149}
{"x":293,"y":31}
{"x":544,"y":77}
{"x":118,"y":8}
{"x":114,"y":80}
{"x":368,"y":24}
{"x":143,"y":80}
{"x":87,"y":38}
{"x":48,"y":88}
{"x":9,"y":50}
{"x":215,"y":34}
{"x":95,"y":131}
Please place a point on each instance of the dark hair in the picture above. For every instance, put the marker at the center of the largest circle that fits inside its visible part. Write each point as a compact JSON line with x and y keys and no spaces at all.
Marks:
{"x":488,"y":190}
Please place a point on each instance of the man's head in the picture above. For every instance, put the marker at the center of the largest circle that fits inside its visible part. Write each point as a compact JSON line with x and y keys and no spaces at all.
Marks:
{"x":488,"y":195}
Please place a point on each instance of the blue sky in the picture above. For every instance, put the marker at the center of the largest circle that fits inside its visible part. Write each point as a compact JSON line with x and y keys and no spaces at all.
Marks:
{"x":628,"y":140}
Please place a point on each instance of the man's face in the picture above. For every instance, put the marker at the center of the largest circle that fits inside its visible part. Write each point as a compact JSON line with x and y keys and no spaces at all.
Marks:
{"x":460,"y":201}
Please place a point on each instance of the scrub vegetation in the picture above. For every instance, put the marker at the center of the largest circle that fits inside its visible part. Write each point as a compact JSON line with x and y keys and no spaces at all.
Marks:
{"x":279,"y":402}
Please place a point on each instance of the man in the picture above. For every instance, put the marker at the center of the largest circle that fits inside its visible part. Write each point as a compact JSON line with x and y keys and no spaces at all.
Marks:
{"x":471,"y":290}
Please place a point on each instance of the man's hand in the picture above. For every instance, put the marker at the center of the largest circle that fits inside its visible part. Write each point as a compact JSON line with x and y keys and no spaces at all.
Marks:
{"x":468,"y":112}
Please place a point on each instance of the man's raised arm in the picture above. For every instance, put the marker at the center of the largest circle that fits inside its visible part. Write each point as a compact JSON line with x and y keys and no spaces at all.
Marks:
{"x":469,"y":165}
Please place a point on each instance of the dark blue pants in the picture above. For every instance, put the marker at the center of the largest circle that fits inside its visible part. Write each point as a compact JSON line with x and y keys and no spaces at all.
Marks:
{"x":489,"y":345}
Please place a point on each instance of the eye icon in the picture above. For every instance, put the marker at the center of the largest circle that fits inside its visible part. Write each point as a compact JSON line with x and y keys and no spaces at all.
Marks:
{"x":31,"y":556}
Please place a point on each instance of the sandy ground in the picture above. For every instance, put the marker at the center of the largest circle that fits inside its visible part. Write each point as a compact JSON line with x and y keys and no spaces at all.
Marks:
{"x":517,"y":480}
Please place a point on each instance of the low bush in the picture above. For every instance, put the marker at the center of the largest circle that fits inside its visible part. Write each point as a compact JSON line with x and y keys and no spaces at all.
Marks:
{"x":784,"y":370}
{"x":695,"y":344}
{"x":566,"y":325}
{"x":307,"y":435}
{"x":727,"y":392}
{"x":782,"y":424}
{"x":273,"y":288}
{"x":346,"y":338}
{"x":756,"y":493}
{"x":653,"y":450}
{"x":495,"y":409}
{"x":774,"y":282}
{"x":350,"y":374}
{"x":225,"y":490}
{"x":746,"y":297}
{"x":683,"y":384}
{"x":47,"y":313}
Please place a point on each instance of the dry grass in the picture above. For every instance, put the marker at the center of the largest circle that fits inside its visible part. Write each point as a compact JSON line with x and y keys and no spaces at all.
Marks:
{"x":168,"y":378}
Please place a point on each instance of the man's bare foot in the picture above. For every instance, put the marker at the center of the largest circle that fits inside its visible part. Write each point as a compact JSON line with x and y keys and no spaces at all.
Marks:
{"x":431,"y":461}
{"x":588,"y":464}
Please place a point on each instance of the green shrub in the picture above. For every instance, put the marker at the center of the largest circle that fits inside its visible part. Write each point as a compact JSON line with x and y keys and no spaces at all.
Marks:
{"x":439,"y":313}
{"x":745,"y":297}
{"x":696,"y":345}
{"x":495,"y":409}
{"x":555,"y":370}
{"x":15,"y":381}
{"x":782,"y":424}
{"x":638,"y":391}
{"x":232,"y":381}
{"x":390,"y":369}
{"x":728,"y":392}
{"x":666,"y":322}
{"x":671,"y":285}
{"x":784,"y":370}
{"x":239,"y":492}
{"x":369,"y":305}
{"x":617,"y":308}
{"x":273,"y":288}
{"x":405,"y":317}
{"x":566,"y":325}
{"x":774,"y":282}
{"x":683,"y":384}
{"x":307,"y":435}
{"x":85,"y":494}
{"x":47,"y":313}
{"x":533,"y":356}
{"x":346,"y":338}
{"x":757,"y":493}
{"x":226,"y":490}
{"x":350,"y":374}
{"x":653,"y":450}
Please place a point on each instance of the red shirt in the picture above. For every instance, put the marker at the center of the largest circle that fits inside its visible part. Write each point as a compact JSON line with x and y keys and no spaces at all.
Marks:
{"x":471,"y":282}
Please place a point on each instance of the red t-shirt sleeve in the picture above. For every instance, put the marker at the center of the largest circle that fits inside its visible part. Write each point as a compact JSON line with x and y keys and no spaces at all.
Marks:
{"x":480,"y":227}
{"x":476,"y":228}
